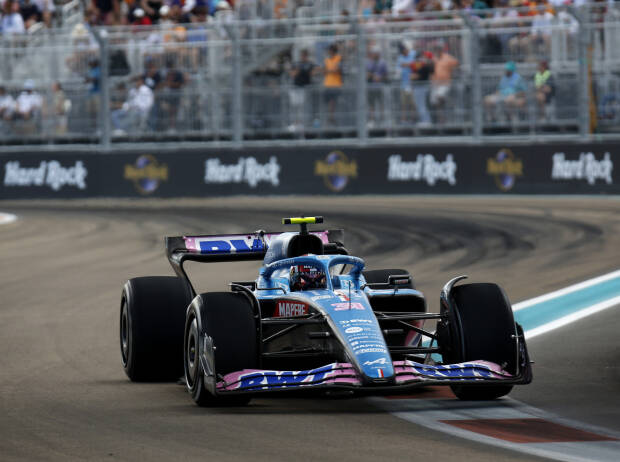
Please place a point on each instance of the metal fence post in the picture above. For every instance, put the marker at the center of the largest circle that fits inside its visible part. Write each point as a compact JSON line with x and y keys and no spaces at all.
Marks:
{"x":476,"y":78}
{"x":104,"y":87}
{"x":237,"y":116}
{"x":583,"y":105}
{"x":361,"y":97}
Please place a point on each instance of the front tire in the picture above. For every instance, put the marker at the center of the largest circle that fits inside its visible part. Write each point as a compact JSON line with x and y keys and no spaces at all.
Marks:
{"x":487,"y":332}
{"x":152,"y":316}
{"x":226,"y":321}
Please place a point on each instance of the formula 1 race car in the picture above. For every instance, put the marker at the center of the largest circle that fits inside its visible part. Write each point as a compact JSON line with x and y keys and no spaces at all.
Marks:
{"x":314,"y":319}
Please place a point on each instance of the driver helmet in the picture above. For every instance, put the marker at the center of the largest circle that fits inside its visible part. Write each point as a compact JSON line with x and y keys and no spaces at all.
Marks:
{"x":307,"y":277}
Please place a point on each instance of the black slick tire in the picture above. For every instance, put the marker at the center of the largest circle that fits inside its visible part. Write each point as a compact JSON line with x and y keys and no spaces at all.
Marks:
{"x":488,"y":329}
{"x":152,"y":317}
{"x":228,"y":319}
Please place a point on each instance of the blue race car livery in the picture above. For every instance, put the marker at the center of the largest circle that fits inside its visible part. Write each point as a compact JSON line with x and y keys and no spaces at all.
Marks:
{"x":314,"y":319}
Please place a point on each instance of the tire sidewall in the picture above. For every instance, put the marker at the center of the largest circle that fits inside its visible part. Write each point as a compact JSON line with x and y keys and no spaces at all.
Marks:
{"x":125,"y":344}
{"x":194,"y":382}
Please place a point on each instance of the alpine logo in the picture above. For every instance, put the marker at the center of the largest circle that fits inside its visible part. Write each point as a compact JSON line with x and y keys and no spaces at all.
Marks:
{"x":376,"y":361}
{"x":287,"y":309}
{"x":342,"y":295}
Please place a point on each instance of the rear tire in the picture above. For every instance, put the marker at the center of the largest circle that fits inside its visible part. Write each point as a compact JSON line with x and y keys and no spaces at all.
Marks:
{"x":228,"y":319}
{"x":152,"y":316}
{"x":487,"y":325}
{"x":382,"y":275}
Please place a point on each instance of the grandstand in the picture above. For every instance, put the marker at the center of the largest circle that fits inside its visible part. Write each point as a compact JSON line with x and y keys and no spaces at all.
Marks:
{"x":112,"y":72}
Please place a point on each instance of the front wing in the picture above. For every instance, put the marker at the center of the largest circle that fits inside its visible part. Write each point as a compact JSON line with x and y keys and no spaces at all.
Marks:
{"x":408,"y":374}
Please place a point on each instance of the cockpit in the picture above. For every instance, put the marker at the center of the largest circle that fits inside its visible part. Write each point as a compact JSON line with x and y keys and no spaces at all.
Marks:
{"x":307,"y":277}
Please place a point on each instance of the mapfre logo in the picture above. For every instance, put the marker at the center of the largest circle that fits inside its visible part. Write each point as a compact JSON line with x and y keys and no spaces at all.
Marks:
{"x":146,"y":174}
{"x":505,"y":168}
{"x":336,"y":170}
{"x":288,"y":309}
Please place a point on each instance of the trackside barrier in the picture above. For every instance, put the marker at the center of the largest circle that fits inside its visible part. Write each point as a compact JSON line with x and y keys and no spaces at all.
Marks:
{"x":521,"y":169}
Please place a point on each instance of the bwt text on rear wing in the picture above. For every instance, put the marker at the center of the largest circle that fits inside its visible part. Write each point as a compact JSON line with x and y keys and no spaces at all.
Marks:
{"x":253,"y":246}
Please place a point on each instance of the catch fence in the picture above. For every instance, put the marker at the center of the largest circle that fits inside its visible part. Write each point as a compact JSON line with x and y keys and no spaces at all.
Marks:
{"x":233,"y":81}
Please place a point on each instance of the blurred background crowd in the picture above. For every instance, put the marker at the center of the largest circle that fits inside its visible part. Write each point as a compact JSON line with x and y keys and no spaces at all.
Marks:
{"x":203,"y":69}
{"x":19,"y":15}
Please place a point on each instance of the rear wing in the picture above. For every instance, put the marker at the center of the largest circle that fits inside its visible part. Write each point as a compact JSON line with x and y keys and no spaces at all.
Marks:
{"x":212,"y":248}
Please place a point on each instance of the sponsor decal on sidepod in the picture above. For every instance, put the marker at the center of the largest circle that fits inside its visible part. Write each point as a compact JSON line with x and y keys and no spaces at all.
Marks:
{"x":285,"y":308}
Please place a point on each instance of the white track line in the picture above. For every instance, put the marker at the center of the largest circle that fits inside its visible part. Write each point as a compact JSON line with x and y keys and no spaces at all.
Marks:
{"x":6,"y":218}
{"x":566,"y":290}
{"x":573,"y":317}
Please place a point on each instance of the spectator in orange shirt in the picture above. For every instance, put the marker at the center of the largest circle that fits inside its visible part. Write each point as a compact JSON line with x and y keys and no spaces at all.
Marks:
{"x":441,"y":80}
{"x":279,"y":9}
{"x":332,"y":70}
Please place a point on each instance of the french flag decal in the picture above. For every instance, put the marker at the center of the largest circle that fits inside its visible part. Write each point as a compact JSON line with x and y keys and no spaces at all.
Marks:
{"x":381,"y":373}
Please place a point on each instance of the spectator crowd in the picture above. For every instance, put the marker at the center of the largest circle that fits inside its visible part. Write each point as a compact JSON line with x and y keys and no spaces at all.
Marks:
{"x":17,"y":16}
{"x":417,"y":77}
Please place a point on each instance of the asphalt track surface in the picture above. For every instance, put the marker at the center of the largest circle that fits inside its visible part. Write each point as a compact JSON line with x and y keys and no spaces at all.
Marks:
{"x":64,"y":395}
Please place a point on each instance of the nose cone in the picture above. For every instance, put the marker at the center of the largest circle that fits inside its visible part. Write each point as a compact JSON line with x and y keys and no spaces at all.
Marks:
{"x":361,"y":335}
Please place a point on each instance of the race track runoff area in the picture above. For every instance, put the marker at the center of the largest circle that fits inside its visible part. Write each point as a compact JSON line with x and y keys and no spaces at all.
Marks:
{"x":64,"y":395}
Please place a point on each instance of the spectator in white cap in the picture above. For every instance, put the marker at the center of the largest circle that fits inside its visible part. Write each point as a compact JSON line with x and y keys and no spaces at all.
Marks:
{"x":164,"y":15}
{"x":140,"y":19}
{"x":223,"y":12}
